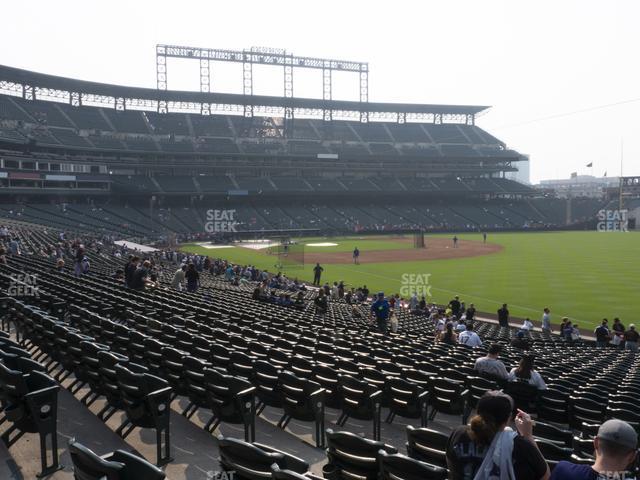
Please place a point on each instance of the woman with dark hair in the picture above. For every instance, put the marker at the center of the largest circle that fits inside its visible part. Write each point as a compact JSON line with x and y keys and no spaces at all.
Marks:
{"x":192,"y":277}
{"x":448,"y":336}
{"x":488,"y":448}
{"x":525,"y":372}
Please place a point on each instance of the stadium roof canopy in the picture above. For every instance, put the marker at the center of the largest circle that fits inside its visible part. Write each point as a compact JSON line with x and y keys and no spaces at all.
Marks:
{"x":28,"y":83}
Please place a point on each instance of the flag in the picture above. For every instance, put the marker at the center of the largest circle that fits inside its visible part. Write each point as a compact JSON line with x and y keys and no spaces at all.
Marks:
{"x":605,"y":174}
{"x":574,"y":174}
{"x":590,"y":164}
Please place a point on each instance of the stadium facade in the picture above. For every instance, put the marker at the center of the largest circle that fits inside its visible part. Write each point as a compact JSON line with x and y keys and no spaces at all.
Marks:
{"x":86,"y":153}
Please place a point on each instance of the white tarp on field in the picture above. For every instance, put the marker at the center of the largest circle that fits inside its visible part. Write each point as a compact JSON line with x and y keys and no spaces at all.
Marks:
{"x":258,"y":244}
{"x":211,"y":246}
{"x":135,"y":246}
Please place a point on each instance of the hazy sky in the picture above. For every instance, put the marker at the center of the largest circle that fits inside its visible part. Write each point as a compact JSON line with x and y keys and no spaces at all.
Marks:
{"x":528,"y":60}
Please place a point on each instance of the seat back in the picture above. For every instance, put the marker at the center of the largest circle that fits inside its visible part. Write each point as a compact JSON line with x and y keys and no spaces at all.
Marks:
{"x":246,"y":460}
{"x":406,"y":399}
{"x":401,"y":467}
{"x":223,"y":396}
{"x":297,"y":396}
{"x":446,"y":396}
{"x":356,"y":397}
{"x":352,"y":455}
{"x":89,"y":466}
{"x":427,"y":445}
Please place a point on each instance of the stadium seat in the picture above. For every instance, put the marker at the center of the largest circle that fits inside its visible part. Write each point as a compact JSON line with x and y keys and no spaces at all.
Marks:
{"x":448,"y":396}
{"x":30,"y":405}
{"x":146,"y":400}
{"x":118,"y":465}
{"x":302,"y":399}
{"x":253,"y":461}
{"x":361,"y":401}
{"x":427,"y":445}
{"x":401,"y":467}
{"x":231,"y":400}
{"x":407,"y":400}
{"x":352,"y":456}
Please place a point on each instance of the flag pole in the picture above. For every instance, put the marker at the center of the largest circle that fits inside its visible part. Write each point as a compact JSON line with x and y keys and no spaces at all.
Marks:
{"x":621,"y":170}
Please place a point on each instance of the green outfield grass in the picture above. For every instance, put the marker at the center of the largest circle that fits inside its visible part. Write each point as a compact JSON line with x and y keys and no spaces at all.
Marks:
{"x":583,"y":275}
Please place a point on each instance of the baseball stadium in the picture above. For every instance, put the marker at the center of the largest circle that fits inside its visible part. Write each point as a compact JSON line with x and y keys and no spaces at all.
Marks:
{"x":206,"y":285}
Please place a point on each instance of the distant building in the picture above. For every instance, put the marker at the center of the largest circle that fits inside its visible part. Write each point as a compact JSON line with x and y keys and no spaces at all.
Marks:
{"x":580,"y":186}
{"x":523,"y":175}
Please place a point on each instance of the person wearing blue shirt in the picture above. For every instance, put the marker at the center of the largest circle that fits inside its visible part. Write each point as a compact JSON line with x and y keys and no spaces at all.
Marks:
{"x":380,"y":308}
{"x":615,"y":448}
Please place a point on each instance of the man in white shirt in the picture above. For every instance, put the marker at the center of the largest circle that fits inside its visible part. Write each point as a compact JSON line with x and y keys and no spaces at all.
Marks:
{"x":490,"y":365}
{"x":546,"y":321}
{"x":469,"y":337}
{"x":527,"y":325}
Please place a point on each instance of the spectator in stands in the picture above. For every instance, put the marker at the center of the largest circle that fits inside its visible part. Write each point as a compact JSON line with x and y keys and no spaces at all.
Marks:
{"x":192,"y":277}
{"x":423,"y":304}
{"x":140,"y":277}
{"x":563,"y":324}
{"x":119,"y":275}
{"x":317,"y":273}
{"x":546,"y":320}
{"x":567,"y":330}
{"x":525,"y":372}
{"x":77,"y":264}
{"x":488,"y":449}
{"x":447,"y":336}
{"x":178,"y":278}
{"x":60,"y":265}
{"x":470,"y":313}
{"x":617,"y":333}
{"x":490,"y":365}
{"x":526,"y":325}
{"x":520,"y":341}
{"x":84,"y":265}
{"x":503,"y":316}
{"x":14,"y":246}
{"x":602,"y":334}
{"x":129,"y":270}
{"x":455,"y":305}
{"x":615,"y":448}
{"x":348,"y":297}
{"x":334,"y":292}
{"x":380,"y":310}
{"x":575,"y":333}
{"x":469,"y":337}
{"x":631,"y":338}
{"x":299,"y":301}
{"x":320,"y":302}
{"x":413,"y":303}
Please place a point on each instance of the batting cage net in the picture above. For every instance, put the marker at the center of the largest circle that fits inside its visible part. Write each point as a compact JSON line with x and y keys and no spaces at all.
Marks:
{"x":290,"y":254}
{"x":418,"y":239}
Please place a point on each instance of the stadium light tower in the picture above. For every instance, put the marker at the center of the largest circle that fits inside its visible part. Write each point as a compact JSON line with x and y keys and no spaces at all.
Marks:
{"x":261,"y":56}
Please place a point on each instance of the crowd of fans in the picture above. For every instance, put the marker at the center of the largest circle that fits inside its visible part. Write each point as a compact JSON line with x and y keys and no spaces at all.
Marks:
{"x":497,"y":443}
